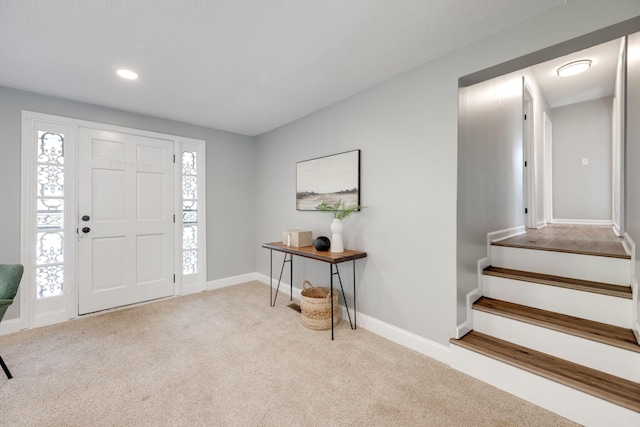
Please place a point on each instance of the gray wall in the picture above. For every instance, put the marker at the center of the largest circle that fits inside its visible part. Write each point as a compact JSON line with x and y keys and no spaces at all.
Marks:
{"x":407,"y":130}
{"x":230,"y":178}
{"x":582,"y":131}
{"x":490,"y":171}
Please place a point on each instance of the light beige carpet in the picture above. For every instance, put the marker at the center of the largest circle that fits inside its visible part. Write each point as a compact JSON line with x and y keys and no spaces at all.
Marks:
{"x":225,"y":358}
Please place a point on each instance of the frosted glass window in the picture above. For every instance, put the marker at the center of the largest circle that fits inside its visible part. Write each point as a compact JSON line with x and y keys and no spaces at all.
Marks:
{"x":49,"y":268}
{"x":189,"y":212}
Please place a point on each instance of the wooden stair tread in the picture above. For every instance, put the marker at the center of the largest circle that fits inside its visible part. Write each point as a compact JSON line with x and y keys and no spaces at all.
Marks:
{"x":588,"y":329}
{"x":564,"y":282}
{"x":616,"y":390}
{"x":568,"y":250}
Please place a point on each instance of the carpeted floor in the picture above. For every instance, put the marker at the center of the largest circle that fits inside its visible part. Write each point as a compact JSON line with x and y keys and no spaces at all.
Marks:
{"x":225,"y":358}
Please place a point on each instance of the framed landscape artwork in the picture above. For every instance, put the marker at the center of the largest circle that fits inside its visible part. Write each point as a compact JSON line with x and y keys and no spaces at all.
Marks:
{"x":328,"y":179}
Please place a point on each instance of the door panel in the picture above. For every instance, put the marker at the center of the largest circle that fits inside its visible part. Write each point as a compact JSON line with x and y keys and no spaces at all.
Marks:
{"x":126,"y":244}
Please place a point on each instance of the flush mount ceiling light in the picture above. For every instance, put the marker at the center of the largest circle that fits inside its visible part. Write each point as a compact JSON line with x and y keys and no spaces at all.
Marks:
{"x":127,"y":74}
{"x":573,"y":68}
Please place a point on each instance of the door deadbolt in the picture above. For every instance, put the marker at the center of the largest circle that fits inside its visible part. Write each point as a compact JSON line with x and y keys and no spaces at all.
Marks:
{"x":86,"y":217}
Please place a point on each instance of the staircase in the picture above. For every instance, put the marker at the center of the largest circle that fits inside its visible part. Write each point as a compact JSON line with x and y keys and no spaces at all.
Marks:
{"x":555,"y":329}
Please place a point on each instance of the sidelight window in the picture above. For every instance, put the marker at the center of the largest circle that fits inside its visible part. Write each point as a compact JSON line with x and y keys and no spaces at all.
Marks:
{"x":189,"y":212}
{"x":49,"y":266}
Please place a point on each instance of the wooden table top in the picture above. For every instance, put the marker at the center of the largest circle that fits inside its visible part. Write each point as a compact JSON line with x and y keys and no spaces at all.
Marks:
{"x":311,"y":252}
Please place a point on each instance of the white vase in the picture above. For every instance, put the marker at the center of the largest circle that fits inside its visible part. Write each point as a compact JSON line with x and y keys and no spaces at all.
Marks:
{"x":336,"y":236}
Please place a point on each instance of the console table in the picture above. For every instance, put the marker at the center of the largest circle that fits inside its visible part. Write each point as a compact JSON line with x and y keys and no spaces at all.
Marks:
{"x":332,"y":258}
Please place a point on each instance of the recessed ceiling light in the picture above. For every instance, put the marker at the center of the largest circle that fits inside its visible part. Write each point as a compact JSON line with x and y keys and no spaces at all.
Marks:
{"x":127,"y":74}
{"x":573,"y":68}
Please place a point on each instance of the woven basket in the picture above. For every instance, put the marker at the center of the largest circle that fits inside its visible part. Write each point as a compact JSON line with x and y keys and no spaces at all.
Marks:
{"x":315,"y":306}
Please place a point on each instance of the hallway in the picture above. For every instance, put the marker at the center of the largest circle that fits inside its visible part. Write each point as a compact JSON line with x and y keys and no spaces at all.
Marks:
{"x":581,"y":239}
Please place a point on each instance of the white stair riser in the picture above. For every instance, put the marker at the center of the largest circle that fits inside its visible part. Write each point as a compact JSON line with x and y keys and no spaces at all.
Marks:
{"x":586,"y":305}
{"x":616,"y":271}
{"x":612,"y":360}
{"x":570,"y":403}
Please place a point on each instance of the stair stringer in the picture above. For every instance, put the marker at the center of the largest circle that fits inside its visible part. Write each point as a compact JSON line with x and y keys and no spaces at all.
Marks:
{"x":472,"y":296}
{"x":630,"y":246}
{"x":566,"y":401}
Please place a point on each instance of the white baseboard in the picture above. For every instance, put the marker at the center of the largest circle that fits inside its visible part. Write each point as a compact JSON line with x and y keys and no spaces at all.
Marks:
{"x":541,"y":224}
{"x":407,"y":339}
{"x":10,"y":326}
{"x":188,"y":290}
{"x":230,"y":281}
{"x":50,"y":318}
{"x":616,"y":229}
{"x":582,"y":221}
{"x":392,"y":333}
{"x":496,"y":236}
{"x":285,"y":287}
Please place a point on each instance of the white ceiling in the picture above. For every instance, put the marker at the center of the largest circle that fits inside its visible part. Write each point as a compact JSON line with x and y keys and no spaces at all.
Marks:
{"x":597,"y":82}
{"x":245,"y":66}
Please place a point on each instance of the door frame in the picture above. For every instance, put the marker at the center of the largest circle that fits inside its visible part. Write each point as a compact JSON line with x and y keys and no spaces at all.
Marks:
{"x":548,"y":168}
{"x":34,"y":312}
{"x":529,"y":162}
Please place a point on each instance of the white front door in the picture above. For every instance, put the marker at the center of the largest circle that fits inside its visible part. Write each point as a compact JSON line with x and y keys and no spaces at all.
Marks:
{"x":126,"y":219}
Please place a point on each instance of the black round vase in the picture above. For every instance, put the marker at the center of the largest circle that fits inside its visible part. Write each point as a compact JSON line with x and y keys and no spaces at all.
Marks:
{"x":322,"y":243}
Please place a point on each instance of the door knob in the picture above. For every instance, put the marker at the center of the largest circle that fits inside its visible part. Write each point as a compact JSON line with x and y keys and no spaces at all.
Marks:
{"x":86,"y":217}
{"x":86,"y":229}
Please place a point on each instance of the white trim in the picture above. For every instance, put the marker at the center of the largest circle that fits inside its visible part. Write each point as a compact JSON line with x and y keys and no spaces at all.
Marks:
{"x":529,"y":154}
{"x":392,"y":333}
{"x":284,"y":286}
{"x":541,"y":224}
{"x":467,"y":326}
{"x":47,"y":310}
{"x":471,"y":297}
{"x":50,"y":318}
{"x":496,"y":236}
{"x":10,"y":326}
{"x":191,"y":283}
{"x":630,"y":247}
{"x":188,"y":289}
{"x":582,"y":221}
{"x":27,"y":210}
{"x":548,"y":167}
{"x":635,"y":315}
{"x":406,"y":339}
{"x":616,"y":229}
{"x":230,"y":281}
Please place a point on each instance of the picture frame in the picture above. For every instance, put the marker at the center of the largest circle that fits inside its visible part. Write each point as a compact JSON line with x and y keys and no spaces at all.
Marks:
{"x":328,"y":179}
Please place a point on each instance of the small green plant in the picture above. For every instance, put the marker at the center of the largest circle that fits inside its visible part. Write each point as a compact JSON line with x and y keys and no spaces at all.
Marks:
{"x":339,"y":210}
